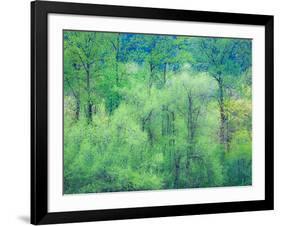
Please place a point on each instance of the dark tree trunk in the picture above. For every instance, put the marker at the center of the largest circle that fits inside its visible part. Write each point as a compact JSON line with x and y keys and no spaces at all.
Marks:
{"x":90,"y":111}
{"x":150,"y":81}
{"x":146,"y":125}
{"x":176,"y":160}
{"x":149,"y":130}
{"x":224,"y":135}
{"x":191,"y":123}
{"x":77,"y":109}
{"x":228,"y":136}
{"x":177,"y":171}
{"x":117,"y":59}
{"x":192,"y":118}
{"x":164,"y":74}
{"x":165,"y":120}
{"x":89,"y":99}
{"x":192,"y":115}
{"x":143,"y":124}
{"x":172,"y":128}
{"x":168,"y":124}
{"x":163,"y":128}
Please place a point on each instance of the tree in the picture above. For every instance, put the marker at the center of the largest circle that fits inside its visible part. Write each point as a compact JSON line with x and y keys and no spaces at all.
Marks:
{"x":221,"y":58}
{"x":89,"y":51}
{"x":72,"y":78}
{"x":191,"y":94}
{"x":146,"y":112}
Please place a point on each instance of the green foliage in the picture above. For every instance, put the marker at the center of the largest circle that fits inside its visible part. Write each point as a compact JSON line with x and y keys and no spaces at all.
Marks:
{"x":144,"y":112}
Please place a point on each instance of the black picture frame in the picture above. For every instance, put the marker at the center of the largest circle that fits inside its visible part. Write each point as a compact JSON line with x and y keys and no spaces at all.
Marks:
{"x":39,"y":112}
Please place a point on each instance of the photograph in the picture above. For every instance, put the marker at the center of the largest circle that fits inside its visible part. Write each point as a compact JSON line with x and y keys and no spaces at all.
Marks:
{"x":129,"y":113}
{"x":155,"y":111}
{"x":140,"y":112}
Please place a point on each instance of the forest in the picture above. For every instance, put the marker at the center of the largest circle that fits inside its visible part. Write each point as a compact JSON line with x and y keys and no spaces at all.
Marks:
{"x":152,"y":112}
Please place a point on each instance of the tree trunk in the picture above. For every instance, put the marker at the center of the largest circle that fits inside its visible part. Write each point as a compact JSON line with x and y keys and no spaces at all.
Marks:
{"x":190,"y":122}
{"x":89,"y":99}
{"x":77,"y":100}
{"x":89,"y":111}
{"x":177,"y":171}
{"x":77,"y":109}
{"x":164,"y":74}
{"x":168,"y":124}
{"x":149,"y":130}
{"x":172,"y":128}
{"x":142,"y":124}
{"x":146,"y":125}
{"x":191,"y":125}
{"x":150,"y":81}
{"x":163,"y":128}
{"x":224,"y":136}
{"x":117,"y":59}
{"x":192,"y":118}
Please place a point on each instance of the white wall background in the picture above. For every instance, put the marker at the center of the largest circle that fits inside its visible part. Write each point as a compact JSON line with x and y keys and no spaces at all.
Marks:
{"x":15,"y":113}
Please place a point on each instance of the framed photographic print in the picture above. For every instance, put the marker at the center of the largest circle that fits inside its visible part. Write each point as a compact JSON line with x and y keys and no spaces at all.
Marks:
{"x":145,"y":112}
